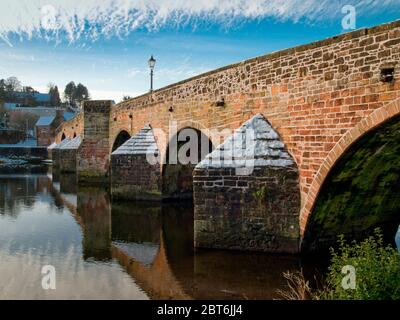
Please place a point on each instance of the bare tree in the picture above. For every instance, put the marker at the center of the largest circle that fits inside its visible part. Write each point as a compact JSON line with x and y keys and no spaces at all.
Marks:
{"x":13,"y":84}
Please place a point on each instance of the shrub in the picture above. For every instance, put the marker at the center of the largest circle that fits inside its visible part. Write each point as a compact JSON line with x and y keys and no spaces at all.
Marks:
{"x":377,"y":269}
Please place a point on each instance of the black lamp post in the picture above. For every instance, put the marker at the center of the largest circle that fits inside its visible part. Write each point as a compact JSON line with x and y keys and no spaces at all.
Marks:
{"x":152,"y":63}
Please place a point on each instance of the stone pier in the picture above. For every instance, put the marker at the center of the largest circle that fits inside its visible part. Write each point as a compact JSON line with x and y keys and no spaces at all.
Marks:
{"x":93,"y":158}
{"x":67,"y":154}
{"x":246,"y":193}
{"x":55,"y":154}
{"x":133,"y":176}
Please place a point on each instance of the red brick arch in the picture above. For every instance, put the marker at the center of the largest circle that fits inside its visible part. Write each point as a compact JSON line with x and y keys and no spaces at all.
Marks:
{"x":198,"y":126}
{"x":112,"y":140}
{"x":163,"y":143}
{"x":375,"y":119}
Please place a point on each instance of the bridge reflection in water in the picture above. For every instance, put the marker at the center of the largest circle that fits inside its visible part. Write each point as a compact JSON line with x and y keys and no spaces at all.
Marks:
{"x":154,"y":245}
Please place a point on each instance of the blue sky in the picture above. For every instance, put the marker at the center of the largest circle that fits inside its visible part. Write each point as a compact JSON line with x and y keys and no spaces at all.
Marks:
{"x":105,"y":44}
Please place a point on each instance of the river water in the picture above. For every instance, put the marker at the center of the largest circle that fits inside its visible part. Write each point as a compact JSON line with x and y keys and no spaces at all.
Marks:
{"x":112,"y":250}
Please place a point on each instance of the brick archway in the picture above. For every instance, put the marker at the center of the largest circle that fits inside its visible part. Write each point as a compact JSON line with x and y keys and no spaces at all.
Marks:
{"x":375,"y":119}
{"x":163,"y":139}
{"x":177,"y":177}
{"x":122,"y":134}
{"x":198,"y":126}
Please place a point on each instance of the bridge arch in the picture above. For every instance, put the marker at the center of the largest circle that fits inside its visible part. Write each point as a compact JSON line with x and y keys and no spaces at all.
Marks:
{"x":63,"y":136}
{"x":120,"y":139}
{"x":178,"y":164}
{"x":367,"y":129}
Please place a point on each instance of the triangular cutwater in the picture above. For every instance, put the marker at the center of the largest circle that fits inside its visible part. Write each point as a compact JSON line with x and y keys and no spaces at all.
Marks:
{"x":143,"y":143}
{"x":254,"y":144}
{"x":72,"y":144}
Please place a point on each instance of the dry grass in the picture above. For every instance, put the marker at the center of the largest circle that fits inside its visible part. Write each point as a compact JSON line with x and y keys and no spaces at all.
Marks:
{"x":298,"y":287}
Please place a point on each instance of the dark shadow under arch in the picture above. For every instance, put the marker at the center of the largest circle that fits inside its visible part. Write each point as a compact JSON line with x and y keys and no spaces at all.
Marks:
{"x":360,"y":193}
{"x":121,"y":138}
{"x":63,"y":137}
{"x":177,"y":178}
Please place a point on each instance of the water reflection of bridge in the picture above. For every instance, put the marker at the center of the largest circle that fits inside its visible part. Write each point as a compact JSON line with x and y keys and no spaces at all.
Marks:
{"x":154,"y":244}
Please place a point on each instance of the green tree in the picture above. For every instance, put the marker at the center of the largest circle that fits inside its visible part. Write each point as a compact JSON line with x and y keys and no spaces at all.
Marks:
{"x":3,"y":92}
{"x":69,"y":92}
{"x":81,"y":93}
{"x":55,"y":100}
{"x":75,"y":94}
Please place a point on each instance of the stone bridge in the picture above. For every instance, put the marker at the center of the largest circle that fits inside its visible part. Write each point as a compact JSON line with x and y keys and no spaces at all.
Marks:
{"x":311,"y":105}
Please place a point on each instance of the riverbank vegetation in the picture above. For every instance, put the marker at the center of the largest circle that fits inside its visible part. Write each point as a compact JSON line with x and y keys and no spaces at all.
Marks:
{"x":368,"y":270}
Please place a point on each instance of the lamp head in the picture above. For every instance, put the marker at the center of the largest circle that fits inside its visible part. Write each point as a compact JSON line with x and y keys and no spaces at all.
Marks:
{"x":152,"y":62}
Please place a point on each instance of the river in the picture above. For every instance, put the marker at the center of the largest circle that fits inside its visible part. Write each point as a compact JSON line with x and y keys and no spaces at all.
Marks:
{"x":114,"y":250}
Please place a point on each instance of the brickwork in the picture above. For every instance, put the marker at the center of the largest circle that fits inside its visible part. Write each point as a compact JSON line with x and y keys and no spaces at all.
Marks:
{"x":56,"y":155}
{"x":375,"y":119}
{"x":248,"y":200}
{"x":133,"y":178}
{"x":70,"y":128}
{"x":93,"y":160}
{"x":46,"y":135}
{"x":68,"y":155}
{"x":257,"y":212}
{"x":68,"y":160}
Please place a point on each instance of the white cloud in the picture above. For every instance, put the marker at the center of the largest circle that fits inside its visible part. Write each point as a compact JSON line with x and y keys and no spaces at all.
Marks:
{"x":91,"y":19}
{"x":19,"y":57}
{"x":134,"y":72}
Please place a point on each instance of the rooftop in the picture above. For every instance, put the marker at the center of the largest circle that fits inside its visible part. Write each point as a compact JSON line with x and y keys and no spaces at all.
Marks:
{"x":45,"y":121}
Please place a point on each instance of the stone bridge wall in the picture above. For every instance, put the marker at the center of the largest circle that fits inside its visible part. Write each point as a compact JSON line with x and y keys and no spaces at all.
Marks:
{"x":319,"y":97}
{"x":70,"y":128}
{"x":312,"y":95}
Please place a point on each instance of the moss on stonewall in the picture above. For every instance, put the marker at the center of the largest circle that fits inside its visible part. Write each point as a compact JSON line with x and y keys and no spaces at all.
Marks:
{"x":361,"y":192}
{"x":261,"y":193}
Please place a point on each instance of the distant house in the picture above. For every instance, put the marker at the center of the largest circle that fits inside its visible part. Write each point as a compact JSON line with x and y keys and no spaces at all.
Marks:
{"x":38,"y":111}
{"x":31,"y":99}
{"x":45,"y":128}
